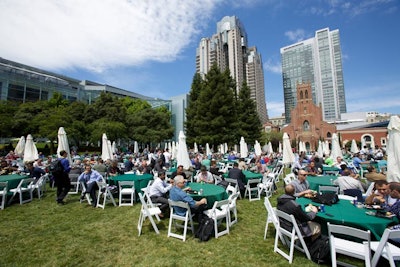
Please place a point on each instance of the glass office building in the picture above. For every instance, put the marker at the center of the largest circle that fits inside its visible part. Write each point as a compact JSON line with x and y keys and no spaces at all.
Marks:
{"x":317,"y":61}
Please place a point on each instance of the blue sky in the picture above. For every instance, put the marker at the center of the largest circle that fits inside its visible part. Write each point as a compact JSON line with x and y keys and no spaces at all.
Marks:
{"x":149,"y":47}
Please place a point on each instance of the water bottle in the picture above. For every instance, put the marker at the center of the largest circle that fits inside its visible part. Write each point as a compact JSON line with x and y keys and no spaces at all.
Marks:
{"x":322,"y":208}
{"x":201,"y":191}
{"x":355,"y":201}
{"x":331,"y":181}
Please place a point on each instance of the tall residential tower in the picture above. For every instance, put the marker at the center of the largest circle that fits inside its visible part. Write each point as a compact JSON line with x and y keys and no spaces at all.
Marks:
{"x":317,"y":61}
{"x":228,"y":49}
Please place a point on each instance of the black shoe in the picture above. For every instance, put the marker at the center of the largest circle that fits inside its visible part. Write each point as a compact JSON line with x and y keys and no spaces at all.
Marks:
{"x":60,"y":202}
{"x":82,"y":197}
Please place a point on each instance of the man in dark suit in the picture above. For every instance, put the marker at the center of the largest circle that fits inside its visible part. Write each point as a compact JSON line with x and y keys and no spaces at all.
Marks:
{"x":237,"y":174}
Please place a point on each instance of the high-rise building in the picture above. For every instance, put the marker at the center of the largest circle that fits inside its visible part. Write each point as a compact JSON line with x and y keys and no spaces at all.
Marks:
{"x":317,"y":61}
{"x":228,"y":49}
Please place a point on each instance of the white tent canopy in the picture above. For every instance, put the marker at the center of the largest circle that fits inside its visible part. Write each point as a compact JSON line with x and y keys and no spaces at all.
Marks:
{"x":393,"y":150}
{"x":30,"y":151}
{"x":182,"y":157}
{"x":63,"y":143}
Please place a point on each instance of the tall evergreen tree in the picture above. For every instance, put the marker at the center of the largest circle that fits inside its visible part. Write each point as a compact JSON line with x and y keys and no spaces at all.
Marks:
{"x":191,"y":110}
{"x":249,"y":124}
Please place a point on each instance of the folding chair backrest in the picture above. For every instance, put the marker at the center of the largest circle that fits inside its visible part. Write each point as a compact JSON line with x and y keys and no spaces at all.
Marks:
{"x":271,"y":211}
{"x":349,"y":231}
{"x":3,"y":193}
{"x":384,"y":247}
{"x":326,"y":188}
{"x":180,"y":204}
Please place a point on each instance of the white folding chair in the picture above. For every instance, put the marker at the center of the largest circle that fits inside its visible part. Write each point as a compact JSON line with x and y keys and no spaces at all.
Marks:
{"x":289,"y":178}
{"x":351,"y":248}
{"x":266,"y":185}
{"x":233,"y":182}
{"x":277,"y":172}
{"x":186,"y":219}
{"x":85,"y":194}
{"x":126,"y":188}
{"x":104,"y":195}
{"x":24,"y":187}
{"x":230,"y":190}
{"x":3,"y":194}
{"x":252,"y":189}
{"x":232,"y":208}
{"x":217,"y":178}
{"x":385,"y":249}
{"x":74,"y":183}
{"x":294,"y":235}
{"x":146,"y":212}
{"x":369,"y":190}
{"x":219,"y":212}
{"x":326,"y":188}
{"x":39,"y":186}
{"x":271,"y":217}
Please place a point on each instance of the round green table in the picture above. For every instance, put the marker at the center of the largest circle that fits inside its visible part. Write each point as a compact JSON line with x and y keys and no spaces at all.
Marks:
{"x":211,"y":192}
{"x":345,"y":213}
{"x":141,"y":181}
{"x":248,"y":175}
{"x":316,"y":181}
{"x":13,"y":180}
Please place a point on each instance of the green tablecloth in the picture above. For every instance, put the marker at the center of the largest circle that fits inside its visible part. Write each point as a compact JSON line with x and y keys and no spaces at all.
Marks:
{"x":210,"y":191}
{"x":13,"y":180}
{"x":248,"y":175}
{"x":141,"y":181}
{"x":344,"y":213}
{"x":316,"y":181}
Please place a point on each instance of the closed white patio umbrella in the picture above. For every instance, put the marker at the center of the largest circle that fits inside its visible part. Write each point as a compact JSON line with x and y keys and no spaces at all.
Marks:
{"x":30,"y":151}
{"x":106,"y":153}
{"x":354,"y":149}
{"x":63,"y":143}
{"x":257,"y":148}
{"x":243,"y":148}
{"x":393,"y":150}
{"x":336,"y":149}
{"x":19,"y":149}
{"x":320,"y":151}
{"x":208,"y":150}
{"x":270,"y":149}
{"x":182,"y":157}
{"x":196,"y":149}
{"x":288,"y":156}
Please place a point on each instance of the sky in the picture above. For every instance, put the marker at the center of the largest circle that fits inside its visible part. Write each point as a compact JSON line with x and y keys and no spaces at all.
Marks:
{"x":149,"y":46}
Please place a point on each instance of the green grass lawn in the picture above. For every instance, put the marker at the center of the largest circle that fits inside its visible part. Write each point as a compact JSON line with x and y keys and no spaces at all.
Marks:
{"x":42,"y":233}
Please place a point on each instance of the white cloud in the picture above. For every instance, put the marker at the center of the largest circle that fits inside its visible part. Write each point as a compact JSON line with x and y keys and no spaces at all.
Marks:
{"x":296,"y":35}
{"x":97,"y":35}
{"x":274,"y":67}
{"x":275,"y":109}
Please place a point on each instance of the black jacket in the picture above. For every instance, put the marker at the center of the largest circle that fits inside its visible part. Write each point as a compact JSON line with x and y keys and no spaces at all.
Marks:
{"x":288,"y":204}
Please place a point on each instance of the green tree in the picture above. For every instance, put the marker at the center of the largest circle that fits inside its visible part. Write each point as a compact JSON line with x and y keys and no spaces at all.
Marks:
{"x":249,"y":124}
{"x":106,"y":107}
{"x":7,"y":111}
{"x":191,"y":111}
{"x":24,"y":122}
{"x":113,"y":129}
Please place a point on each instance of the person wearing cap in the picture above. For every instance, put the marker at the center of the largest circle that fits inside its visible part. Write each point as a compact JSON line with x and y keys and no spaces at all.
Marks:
{"x":178,"y":193}
{"x":158,"y":191}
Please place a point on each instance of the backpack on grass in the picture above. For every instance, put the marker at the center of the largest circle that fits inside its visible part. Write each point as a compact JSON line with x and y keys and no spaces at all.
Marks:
{"x":320,"y":250}
{"x":206,"y":229}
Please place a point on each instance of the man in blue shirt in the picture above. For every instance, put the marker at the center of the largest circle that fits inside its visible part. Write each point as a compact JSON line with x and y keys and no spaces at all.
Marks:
{"x":90,"y":177}
{"x":178,"y":193}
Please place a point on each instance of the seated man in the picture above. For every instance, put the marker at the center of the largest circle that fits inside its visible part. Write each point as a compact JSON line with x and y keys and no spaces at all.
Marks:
{"x":339,"y":162}
{"x":347,"y":181}
{"x":90,"y":177}
{"x":372,"y":175}
{"x":394,"y":192}
{"x":301,"y":185}
{"x":114,"y":170}
{"x":380,"y":194}
{"x":179,"y":171}
{"x":287,"y":203}
{"x":158,"y":191}
{"x":237,"y":174}
{"x":312,"y":169}
{"x":204,"y":176}
{"x":177,"y":193}
{"x":34,"y":172}
{"x":100,"y":166}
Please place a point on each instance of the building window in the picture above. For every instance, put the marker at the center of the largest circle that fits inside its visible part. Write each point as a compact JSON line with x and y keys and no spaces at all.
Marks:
{"x":306,"y":94}
{"x":301,"y":94}
{"x":306,"y":126}
{"x":329,"y":135}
